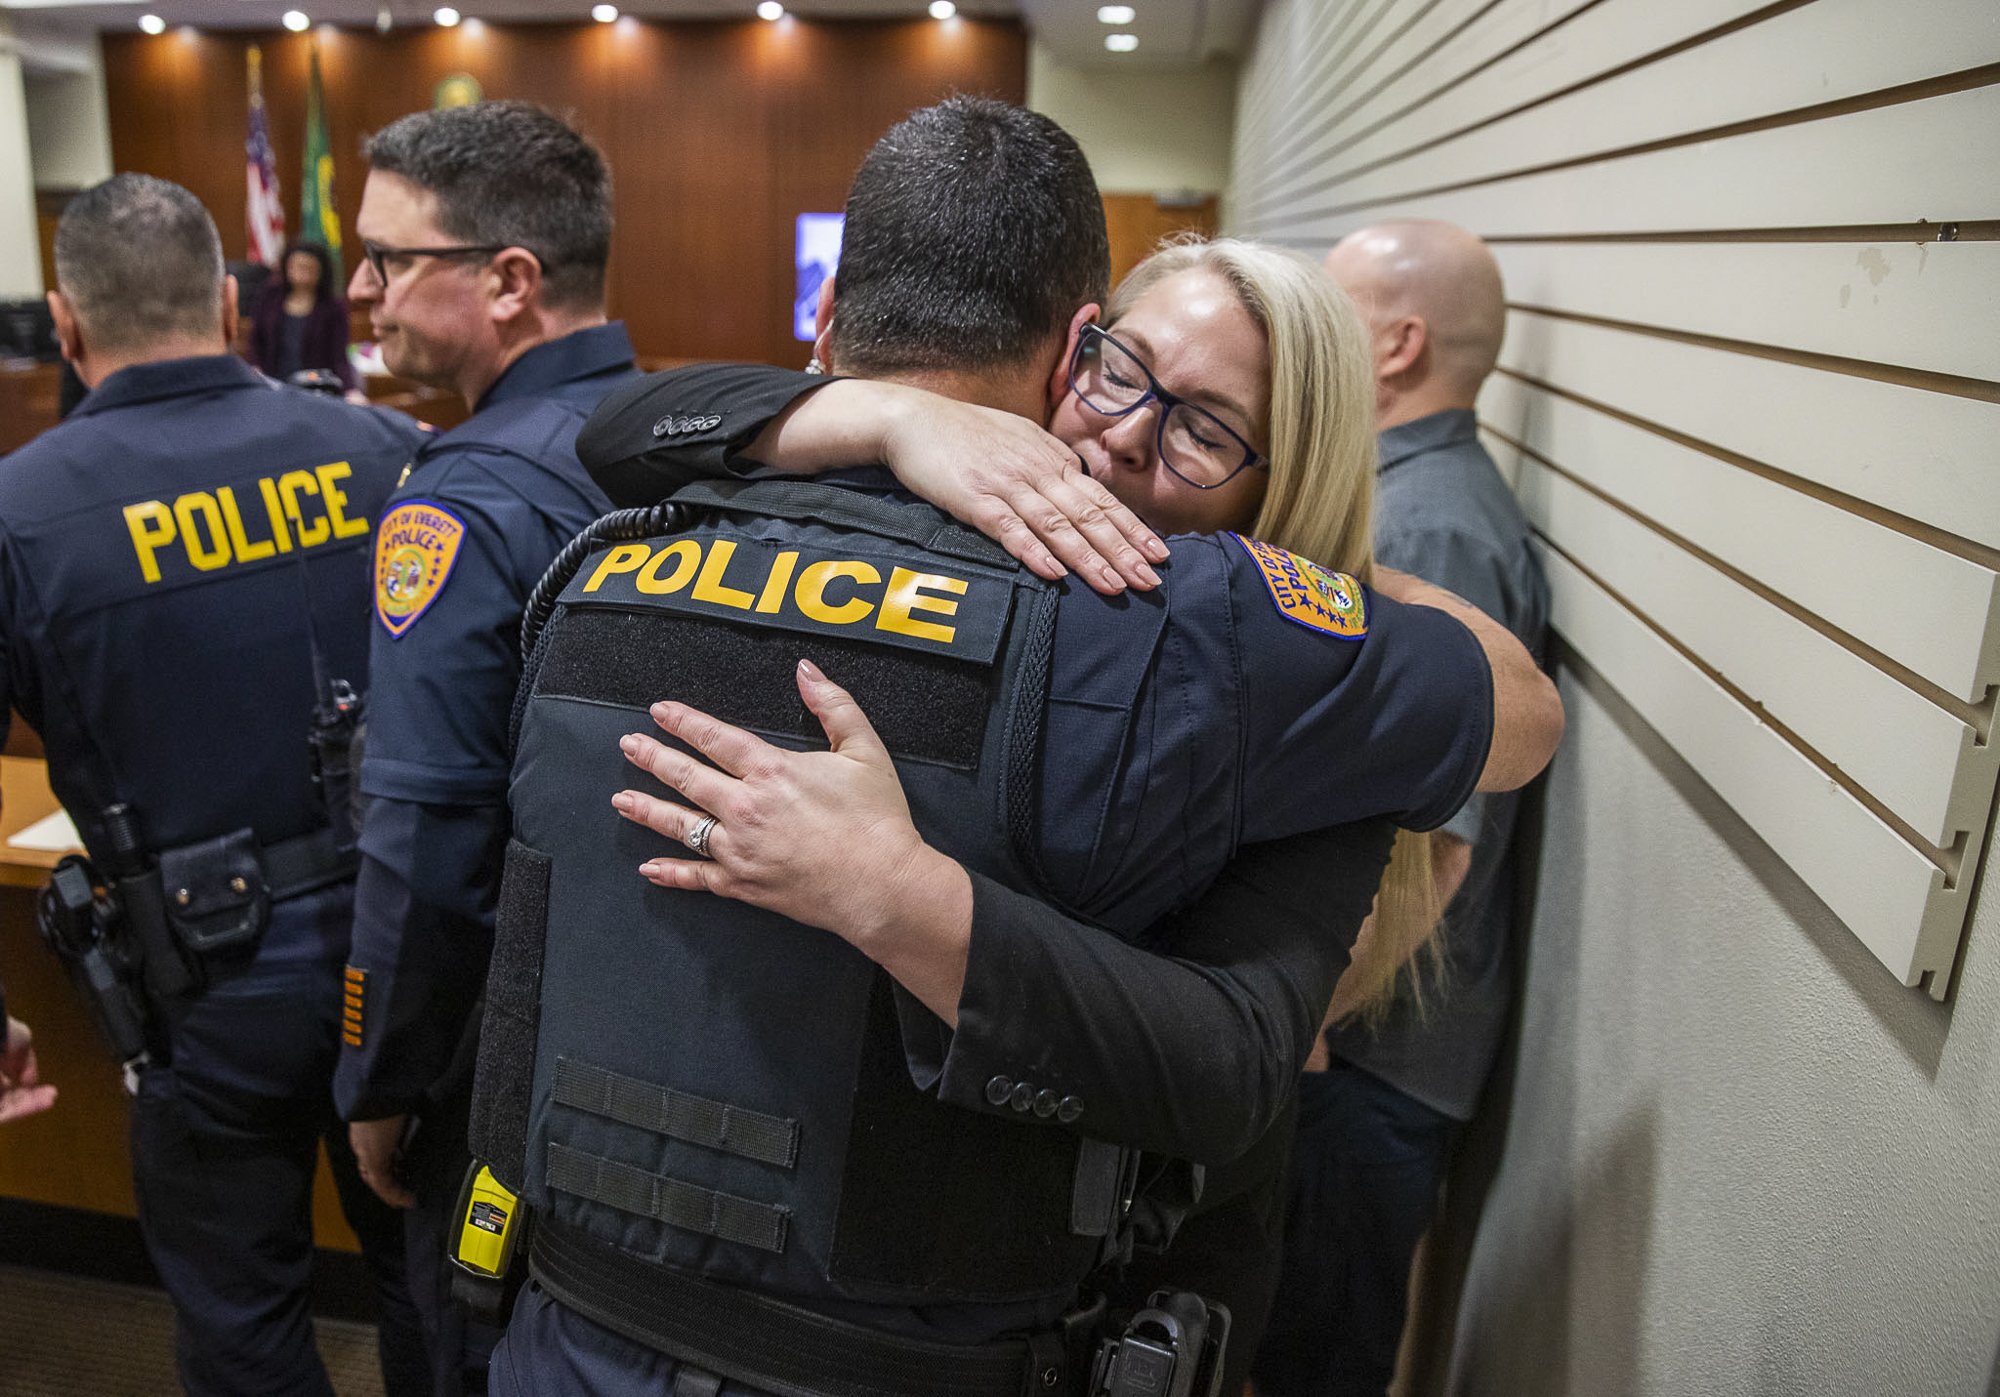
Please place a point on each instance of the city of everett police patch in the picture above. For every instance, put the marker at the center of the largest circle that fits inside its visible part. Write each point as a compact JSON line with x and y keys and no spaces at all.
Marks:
{"x":1309,"y":594}
{"x":415,"y":546}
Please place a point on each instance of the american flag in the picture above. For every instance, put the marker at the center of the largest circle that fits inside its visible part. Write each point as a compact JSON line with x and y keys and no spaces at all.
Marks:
{"x":265,"y":212}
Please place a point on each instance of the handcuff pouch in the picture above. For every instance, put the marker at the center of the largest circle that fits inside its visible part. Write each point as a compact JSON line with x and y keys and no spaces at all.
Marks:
{"x":217,"y":898}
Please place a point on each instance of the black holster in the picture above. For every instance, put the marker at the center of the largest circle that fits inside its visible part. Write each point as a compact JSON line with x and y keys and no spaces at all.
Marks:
{"x":334,"y":742}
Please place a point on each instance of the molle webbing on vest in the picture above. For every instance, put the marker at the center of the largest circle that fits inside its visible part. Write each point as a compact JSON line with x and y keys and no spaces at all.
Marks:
{"x":504,"y":1080}
{"x":714,"y":1125}
{"x":672,"y":1201}
{"x":927,"y":708}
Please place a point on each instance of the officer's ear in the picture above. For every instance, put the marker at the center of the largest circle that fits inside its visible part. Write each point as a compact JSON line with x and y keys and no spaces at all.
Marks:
{"x":230,"y":312}
{"x":1059,"y":371}
{"x":517,"y":275}
{"x":69,"y":332}
{"x":823,"y":325}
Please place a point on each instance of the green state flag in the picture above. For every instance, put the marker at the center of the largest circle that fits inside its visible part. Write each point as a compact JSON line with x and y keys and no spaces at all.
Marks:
{"x":319,"y":217}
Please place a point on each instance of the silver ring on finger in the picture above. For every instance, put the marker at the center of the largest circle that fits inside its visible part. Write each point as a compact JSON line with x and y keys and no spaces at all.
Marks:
{"x":697,"y":838}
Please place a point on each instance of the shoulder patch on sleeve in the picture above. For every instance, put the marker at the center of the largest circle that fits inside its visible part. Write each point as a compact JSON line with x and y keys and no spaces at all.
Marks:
{"x":416,"y":545}
{"x":1309,"y":594}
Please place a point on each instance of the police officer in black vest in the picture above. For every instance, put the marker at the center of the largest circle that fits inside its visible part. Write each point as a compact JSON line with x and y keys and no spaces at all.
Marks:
{"x":183,"y":585}
{"x":730,"y":1124}
{"x":487,"y":230}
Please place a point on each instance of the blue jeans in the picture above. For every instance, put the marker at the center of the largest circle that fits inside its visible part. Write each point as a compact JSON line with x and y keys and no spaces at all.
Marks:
{"x":1363,"y":1189}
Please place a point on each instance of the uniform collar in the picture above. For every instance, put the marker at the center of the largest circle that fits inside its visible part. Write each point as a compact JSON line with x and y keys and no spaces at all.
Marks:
{"x":169,"y":378}
{"x":1439,"y":429}
{"x":579,"y":354}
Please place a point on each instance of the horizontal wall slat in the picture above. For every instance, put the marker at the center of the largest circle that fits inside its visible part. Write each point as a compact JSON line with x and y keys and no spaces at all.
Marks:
{"x":1463,"y":59}
{"x":1923,"y":608}
{"x":1929,"y":456}
{"x":1827,"y":51}
{"x":1929,"y":159}
{"x":1890,"y":896}
{"x":1898,"y":303}
{"x":1923,"y":764}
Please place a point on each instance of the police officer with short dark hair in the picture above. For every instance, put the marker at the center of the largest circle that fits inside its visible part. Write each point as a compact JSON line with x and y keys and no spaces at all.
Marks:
{"x":758,"y":1163}
{"x":183,"y":579}
{"x":486,"y":231}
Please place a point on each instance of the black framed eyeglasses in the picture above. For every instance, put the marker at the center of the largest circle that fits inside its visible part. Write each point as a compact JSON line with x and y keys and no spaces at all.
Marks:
{"x":379,"y":255}
{"x":1195,"y":444}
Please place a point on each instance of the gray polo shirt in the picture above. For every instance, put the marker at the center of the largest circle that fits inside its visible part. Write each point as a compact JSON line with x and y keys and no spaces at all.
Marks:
{"x":1444,"y":514}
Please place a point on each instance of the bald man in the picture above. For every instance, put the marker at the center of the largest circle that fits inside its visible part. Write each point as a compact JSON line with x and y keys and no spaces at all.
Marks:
{"x":1377,"y":1125}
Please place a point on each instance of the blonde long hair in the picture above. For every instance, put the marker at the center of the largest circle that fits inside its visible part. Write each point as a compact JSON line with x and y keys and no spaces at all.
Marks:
{"x":1319,"y":502}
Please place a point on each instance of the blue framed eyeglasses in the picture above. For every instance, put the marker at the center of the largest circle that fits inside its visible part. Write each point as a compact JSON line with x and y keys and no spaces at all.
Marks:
{"x":1195,"y":444}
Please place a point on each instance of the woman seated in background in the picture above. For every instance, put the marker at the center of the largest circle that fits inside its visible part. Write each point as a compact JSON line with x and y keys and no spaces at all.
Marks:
{"x":1267,"y":428}
{"x":299,"y":321}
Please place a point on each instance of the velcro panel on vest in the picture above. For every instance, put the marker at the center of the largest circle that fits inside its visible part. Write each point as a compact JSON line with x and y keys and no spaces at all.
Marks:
{"x":957,"y":1203}
{"x":925,"y":707}
{"x":672,"y":1201}
{"x":503,"y":1083}
{"x":714,"y":1125}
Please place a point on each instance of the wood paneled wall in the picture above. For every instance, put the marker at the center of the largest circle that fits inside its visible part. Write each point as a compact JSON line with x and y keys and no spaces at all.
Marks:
{"x":1751,"y":385}
{"x":718,"y":134}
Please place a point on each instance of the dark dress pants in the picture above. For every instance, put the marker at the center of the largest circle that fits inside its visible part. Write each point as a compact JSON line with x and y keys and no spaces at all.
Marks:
{"x":1366,"y":1168}
{"x":226,"y":1133}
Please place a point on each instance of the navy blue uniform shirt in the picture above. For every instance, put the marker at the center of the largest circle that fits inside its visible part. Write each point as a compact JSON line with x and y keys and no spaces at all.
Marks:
{"x":157,"y":551}
{"x":484,"y":511}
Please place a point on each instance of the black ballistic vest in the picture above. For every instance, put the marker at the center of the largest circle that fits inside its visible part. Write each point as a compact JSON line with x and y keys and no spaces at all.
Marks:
{"x":712,"y":1087}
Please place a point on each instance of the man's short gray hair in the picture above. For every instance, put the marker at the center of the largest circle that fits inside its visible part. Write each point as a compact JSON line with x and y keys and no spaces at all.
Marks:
{"x":139,"y":260}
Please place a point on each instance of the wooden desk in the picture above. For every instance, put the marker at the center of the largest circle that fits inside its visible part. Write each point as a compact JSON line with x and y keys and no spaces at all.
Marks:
{"x":25,"y":797}
{"x":76,"y":1155}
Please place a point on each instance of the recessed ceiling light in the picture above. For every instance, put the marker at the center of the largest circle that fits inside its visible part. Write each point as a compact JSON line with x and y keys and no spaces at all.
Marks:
{"x":152,"y":24}
{"x":943,"y":9}
{"x":604,"y":14}
{"x":296,"y":21}
{"x":444,"y":16}
{"x":1121,"y":43}
{"x":1116,"y":14}
{"x":384,"y":21}
{"x":770,"y":9}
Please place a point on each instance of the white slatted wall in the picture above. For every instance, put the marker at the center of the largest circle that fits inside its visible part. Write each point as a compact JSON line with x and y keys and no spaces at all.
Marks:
{"x":1750,"y":393}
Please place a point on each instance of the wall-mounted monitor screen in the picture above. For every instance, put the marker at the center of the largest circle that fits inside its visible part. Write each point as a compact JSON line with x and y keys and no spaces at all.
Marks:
{"x":818,"y":254}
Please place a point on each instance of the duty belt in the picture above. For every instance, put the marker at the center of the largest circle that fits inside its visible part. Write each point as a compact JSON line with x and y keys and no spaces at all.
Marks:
{"x":306,"y":861}
{"x":751,"y":1338}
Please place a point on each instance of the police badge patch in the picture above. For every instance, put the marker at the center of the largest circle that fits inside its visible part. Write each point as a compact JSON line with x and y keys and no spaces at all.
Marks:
{"x":1309,"y":594}
{"x":415,"y":547}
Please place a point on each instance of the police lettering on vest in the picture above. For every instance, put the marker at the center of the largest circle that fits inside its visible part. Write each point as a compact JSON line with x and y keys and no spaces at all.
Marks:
{"x":211,"y":529}
{"x":810,"y":590}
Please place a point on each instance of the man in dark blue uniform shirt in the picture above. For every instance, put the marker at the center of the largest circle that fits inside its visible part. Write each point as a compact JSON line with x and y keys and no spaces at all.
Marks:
{"x":183,"y":572}
{"x":487,"y":230}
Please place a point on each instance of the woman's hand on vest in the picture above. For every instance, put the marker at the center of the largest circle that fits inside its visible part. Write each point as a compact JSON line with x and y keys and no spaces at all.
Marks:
{"x":824,"y":838}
